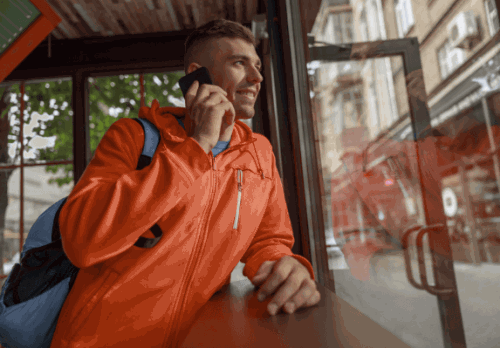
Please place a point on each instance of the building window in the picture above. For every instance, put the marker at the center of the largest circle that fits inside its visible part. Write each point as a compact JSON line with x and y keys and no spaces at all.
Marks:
{"x":375,"y":21}
{"x":492,"y":15}
{"x":375,"y":107}
{"x":352,"y":107}
{"x":449,"y":59}
{"x":338,"y":115}
{"x":363,"y":27}
{"x":342,"y":27}
{"x":404,"y":17}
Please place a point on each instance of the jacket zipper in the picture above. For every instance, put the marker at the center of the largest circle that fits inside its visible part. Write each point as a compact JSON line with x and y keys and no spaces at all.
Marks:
{"x":198,"y":249}
{"x":240,"y":186}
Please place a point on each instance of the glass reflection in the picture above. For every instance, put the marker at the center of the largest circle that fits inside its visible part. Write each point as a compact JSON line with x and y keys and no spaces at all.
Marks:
{"x":369,"y":163}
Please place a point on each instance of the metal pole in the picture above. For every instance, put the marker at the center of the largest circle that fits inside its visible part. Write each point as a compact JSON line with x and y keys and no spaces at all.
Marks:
{"x":21,"y":179}
{"x":469,"y":214}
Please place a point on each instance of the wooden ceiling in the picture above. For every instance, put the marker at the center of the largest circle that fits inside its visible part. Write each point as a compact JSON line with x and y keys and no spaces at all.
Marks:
{"x":102,"y":18}
{"x":103,"y":37}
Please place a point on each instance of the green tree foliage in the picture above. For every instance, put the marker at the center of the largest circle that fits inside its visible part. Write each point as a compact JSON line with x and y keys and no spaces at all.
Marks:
{"x":48,"y":115}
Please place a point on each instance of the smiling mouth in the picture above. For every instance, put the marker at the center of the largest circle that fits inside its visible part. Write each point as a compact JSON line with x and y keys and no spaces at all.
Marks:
{"x":247,"y":96}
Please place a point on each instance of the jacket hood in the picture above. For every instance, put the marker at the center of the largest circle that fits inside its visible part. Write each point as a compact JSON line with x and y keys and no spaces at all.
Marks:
{"x":166,"y":120}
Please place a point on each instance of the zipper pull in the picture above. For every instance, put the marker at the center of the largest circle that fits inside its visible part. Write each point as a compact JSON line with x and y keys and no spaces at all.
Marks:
{"x":240,"y":179}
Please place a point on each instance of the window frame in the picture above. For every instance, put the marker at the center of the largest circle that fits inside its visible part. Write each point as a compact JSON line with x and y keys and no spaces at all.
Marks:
{"x":21,"y":166}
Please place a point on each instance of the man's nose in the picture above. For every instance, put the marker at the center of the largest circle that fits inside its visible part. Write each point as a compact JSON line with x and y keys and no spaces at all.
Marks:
{"x":255,"y":76}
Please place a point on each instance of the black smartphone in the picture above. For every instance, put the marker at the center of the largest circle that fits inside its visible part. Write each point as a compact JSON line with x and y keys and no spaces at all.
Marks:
{"x":200,"y":74}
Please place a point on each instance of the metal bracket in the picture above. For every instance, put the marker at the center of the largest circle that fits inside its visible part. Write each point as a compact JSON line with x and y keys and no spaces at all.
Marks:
{"x":422,"y":230}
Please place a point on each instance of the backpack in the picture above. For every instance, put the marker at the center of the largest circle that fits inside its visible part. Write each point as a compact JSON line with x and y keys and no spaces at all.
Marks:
{"x":36,"y":288}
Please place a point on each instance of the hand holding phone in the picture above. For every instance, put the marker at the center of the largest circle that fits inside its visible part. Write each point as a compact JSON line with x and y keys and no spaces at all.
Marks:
{"x":206,"y":106}
{"x":201,"y":75}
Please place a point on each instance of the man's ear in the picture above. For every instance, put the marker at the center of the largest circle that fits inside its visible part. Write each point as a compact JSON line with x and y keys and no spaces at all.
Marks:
{"x":192,"y":67}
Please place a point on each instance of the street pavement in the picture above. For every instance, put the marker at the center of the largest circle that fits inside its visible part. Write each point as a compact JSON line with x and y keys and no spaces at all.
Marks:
{"x":412,"y":314}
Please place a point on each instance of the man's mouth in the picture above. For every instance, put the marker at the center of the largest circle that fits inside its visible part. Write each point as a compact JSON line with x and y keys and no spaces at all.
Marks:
{"x":249,"y":95}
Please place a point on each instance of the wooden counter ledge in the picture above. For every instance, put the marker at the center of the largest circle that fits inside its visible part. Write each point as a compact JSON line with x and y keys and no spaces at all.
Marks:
{"x":235,"y":318}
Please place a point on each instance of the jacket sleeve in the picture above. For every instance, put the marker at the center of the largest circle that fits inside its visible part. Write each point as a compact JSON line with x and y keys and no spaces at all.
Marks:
{"x":274,"y":238}
{"x":113,"y":204}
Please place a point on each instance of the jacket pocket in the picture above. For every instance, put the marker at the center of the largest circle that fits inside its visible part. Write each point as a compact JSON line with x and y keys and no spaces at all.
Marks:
{"x":100,"y":290}
{"x":238,"y":204}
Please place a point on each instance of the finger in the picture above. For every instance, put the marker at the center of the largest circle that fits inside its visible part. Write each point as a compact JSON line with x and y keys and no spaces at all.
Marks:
{"x":205,"y":90}
{"x":214,"y":99}
{"x":311,"y":301}
{"x":280,"y":274}
{"x":191,"y":94}
{"x":284,"y":294}
{"x":261,"y":278}
{"x":302,"y":297}
{"x":230,"y":113}
{"x":208,"y":94}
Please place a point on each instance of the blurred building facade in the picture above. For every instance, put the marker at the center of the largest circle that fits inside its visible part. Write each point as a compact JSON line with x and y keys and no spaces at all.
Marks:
{"x":362,"y":103}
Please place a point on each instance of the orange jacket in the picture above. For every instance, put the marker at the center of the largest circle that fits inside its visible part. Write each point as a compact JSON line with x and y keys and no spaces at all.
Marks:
{"x":125,"y":296}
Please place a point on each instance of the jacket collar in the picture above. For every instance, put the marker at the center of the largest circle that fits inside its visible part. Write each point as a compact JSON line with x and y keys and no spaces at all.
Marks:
{"x":165,"y":119}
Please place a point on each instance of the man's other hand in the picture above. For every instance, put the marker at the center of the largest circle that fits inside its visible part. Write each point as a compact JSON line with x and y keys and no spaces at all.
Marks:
{"x":291,"y":283}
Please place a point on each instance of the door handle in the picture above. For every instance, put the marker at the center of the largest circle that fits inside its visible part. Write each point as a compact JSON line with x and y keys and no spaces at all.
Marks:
{"x":422,"y":230}
{"x":406,"y":252}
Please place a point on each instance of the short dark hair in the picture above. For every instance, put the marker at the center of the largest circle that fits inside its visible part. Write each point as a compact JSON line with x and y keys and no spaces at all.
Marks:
{"x":216,"y":29}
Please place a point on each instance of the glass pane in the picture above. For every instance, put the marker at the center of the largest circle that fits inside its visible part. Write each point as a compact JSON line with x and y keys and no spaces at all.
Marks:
{"x":114,"y":97}
{"x":43,"y":186}
{"x":471,"y":185}
{"x":164,"y":87}
{"x":9,"y":218}
{"x":370,"y":172}
{"x":10,"y":147}
{"x":110,"y":98}
{"x":48,"y":131}
{"x":461,"y":70}
{"x":48,"y":123}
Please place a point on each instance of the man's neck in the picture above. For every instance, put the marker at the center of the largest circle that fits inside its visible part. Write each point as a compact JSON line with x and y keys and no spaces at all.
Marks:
{"x":227,"y":133}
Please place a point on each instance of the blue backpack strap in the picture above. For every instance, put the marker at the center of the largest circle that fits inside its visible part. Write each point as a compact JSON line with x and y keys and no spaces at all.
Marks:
{"x":151,"y":141}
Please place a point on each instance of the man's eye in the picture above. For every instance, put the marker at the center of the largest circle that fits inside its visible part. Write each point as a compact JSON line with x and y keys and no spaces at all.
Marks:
{"x":240,"y":61}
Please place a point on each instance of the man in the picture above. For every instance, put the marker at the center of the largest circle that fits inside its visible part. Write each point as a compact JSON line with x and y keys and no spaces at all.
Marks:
{"x":214,"y":210}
